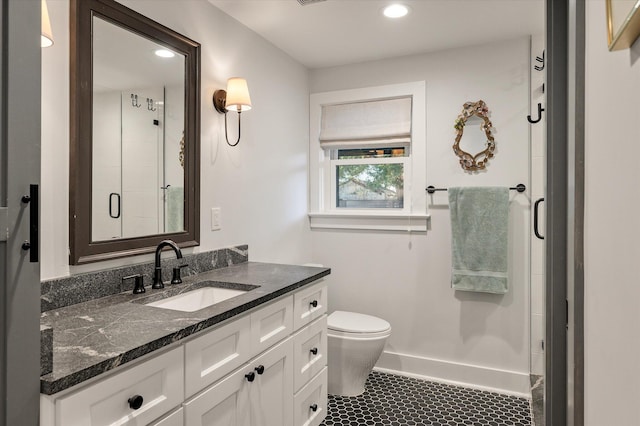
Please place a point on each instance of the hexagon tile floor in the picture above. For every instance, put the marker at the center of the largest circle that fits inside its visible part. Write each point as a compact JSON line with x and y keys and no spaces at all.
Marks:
{"x":391,"y":400}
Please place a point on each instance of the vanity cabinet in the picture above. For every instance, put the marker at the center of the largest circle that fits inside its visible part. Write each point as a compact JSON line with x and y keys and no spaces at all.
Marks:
{"x":266,"y":367}
{"x":259,"y":394}
{"x":310,"y":403}
{"x":136,"y":396}
{"x":174,"y":419}
{"x":309,"y":304}
{"x":212,"y":356}
{"x":310,"y":352}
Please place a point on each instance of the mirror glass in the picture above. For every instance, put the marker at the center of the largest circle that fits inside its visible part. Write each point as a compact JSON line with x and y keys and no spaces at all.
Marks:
{"x":474,"y":140}
{"x":135,"y":133}
{"x":138,"y":135}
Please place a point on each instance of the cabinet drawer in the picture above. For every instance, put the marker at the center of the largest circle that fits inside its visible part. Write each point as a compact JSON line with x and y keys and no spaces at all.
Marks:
{"x":173,"y":419}
{"x":309,"y":303}
{"x":310,"y":403}
{"x":271,"y":324}
{"x":309,"y":351}
{"x":159,"y":381}
{"x":215,"y":354}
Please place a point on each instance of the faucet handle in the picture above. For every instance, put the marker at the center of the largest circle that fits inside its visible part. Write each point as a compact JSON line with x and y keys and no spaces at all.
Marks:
{"x":138,"y":283}
{"x":176,"y":279}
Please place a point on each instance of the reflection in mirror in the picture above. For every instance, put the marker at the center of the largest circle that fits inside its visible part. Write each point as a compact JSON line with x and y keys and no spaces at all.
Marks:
{"x":138,"y":128}
{"x":134,"y":170}
{"x":474,"y":139}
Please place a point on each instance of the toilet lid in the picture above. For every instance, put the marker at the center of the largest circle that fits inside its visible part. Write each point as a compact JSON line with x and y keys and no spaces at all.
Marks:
{"x":352,"y":322}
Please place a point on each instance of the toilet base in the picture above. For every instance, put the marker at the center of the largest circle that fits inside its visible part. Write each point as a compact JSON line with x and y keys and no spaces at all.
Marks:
{"x":349,"y":363}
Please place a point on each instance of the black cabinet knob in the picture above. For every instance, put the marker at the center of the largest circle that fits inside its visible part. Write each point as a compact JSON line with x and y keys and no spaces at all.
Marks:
{"x":314,"y":351}
{"x":250,"y":376}
{"x":135,"y":402}
{"x":26,"y":245}
{"x":314,"y":303}
{"x":314,"y":407}
{"x":260,"y":369}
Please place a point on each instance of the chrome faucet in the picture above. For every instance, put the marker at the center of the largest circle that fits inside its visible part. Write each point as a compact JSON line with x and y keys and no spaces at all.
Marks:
{"x":157,"y":275}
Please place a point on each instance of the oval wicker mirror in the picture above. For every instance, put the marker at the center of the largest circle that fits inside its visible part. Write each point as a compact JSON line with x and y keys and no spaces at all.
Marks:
{"x":474,"y":162}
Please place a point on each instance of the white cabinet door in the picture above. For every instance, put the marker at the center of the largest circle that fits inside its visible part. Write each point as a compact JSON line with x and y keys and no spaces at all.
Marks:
{"x":174,"y":419}
{"x":223,"y":404}
{"x":309,"y":352}
{"x":271,"y":324}
{"x":309,"y":303}
{"x":272,"y":390}
{"x":135,"y":396}
{"x":217,"y":353}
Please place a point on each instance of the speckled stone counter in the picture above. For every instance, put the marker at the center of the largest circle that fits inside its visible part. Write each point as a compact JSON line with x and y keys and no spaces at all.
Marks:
{"x":93,"y":337}
{"x":46,"y":350}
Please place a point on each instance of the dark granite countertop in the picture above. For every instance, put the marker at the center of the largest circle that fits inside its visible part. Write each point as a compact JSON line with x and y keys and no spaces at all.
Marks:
{"x":93,"y":337}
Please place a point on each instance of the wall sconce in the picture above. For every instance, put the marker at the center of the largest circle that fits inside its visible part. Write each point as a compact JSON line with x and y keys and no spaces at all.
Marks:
{"x":235,"y":98}
{"x":46,"y":38}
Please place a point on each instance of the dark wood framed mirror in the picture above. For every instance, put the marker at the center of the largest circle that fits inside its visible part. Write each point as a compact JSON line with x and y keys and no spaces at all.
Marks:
{"x":134,"y":172}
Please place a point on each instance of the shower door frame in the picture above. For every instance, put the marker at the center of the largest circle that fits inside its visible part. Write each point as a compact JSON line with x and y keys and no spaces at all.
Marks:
{"x":564,"y":334}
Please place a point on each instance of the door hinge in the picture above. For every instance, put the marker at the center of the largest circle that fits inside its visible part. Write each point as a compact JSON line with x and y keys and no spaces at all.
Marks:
{"x":567,"y":311}
{"x":4,"y":223}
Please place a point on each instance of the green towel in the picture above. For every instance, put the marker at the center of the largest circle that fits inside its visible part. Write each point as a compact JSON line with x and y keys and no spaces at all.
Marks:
{"x":174,"y":209}
{"x":479,"y":238}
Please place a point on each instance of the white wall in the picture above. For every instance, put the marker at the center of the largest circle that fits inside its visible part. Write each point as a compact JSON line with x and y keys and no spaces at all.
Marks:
{"x":479,"y":339}
{"x":260,"y":185}
{"x":612,"y":223}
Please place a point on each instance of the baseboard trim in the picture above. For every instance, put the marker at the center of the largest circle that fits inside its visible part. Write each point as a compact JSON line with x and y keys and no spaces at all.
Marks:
{"x":459,"y":374}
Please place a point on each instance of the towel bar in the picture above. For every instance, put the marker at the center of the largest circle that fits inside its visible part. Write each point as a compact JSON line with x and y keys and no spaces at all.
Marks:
{"x":519,"y":187}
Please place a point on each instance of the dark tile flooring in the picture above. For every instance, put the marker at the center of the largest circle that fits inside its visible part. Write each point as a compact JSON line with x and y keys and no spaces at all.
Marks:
{"x":391,"y":400}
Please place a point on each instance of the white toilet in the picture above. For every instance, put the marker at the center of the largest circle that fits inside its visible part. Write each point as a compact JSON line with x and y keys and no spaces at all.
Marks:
{"x":355,"y":343}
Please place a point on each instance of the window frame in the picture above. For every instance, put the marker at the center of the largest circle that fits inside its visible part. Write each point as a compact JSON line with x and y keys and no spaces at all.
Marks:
{"x":323,"y":212}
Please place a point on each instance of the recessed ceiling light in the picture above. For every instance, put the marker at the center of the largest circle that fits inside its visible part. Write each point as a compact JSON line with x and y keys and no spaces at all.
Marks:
{"x":395,"y":10}
{"x":164,"y":53}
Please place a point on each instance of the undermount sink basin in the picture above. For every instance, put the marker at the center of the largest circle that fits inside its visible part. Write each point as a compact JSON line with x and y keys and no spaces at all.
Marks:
{"x":197,"y":299}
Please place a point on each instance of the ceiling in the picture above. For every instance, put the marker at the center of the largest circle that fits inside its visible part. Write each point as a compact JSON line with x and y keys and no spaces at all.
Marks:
{"x":135,"y":67}
{"x":338,"y":32}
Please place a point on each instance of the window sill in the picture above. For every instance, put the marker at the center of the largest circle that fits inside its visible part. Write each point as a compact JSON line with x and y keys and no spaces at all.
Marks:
{"x":370,"y":221}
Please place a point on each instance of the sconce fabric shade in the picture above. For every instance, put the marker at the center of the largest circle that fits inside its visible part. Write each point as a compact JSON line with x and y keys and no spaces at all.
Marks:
{"x":237,"y":95}
{"x":235,"y":98}
{"x":46,"y":38}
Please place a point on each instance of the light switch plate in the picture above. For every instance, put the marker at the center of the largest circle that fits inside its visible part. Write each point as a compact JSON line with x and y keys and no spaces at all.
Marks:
{"x":215,"y":219}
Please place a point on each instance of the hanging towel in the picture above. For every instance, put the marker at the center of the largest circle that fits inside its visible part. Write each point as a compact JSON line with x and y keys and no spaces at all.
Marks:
{"x":174,"y":209}
{"x":479,"y":234}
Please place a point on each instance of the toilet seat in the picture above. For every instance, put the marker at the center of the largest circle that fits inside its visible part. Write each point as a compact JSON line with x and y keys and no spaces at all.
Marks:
{"x":351,"y":323}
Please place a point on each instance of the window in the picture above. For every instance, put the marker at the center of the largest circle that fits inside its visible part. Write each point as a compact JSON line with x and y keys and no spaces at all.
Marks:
{"x":365,"y":148}
{"x":368,"y":178}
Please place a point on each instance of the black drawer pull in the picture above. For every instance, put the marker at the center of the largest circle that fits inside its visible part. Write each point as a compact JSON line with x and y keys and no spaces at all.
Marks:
{"x":314,"y":351}
{"x":314,"y":303}
{"x":135,"y":402}
{"x":250,"y":376}
{"x":260,"y":369}
{"x":314,"y":407}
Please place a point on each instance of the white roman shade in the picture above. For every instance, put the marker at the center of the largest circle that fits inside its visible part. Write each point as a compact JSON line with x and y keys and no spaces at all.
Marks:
{"x":366,"y":124}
